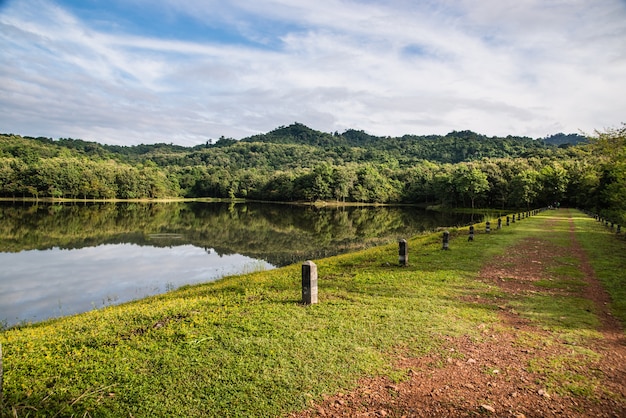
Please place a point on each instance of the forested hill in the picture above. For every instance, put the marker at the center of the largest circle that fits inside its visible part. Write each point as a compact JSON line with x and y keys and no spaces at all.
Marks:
{"x":297,"y":163}
{"x":452,"y":148}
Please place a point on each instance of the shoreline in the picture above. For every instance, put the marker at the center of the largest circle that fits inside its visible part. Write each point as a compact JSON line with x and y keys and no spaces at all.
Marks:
{"x":231,"y":340}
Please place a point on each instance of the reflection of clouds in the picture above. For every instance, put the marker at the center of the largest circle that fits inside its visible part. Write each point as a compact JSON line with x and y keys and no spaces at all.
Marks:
{"x":35,"y":285}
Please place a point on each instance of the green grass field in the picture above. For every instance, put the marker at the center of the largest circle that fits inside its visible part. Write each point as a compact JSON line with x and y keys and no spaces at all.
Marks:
{"x":245,"y":346}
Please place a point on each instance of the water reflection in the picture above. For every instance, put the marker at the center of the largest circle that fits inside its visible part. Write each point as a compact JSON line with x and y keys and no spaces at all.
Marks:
{"x":63,"y":259}
{"x":35,"y":285}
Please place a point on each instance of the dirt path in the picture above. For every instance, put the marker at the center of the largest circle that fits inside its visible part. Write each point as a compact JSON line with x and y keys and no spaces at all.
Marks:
{"x":494,"y":377}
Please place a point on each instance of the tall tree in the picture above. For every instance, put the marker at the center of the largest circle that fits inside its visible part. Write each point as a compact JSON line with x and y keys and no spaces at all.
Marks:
{"x":469,"y":181}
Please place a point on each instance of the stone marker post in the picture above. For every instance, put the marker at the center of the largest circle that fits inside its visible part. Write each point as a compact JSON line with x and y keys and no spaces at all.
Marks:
{"x":513,"y":218}
{"x":488,"y":227}
{"x":446,"y":240}
{"x":619,"y":229}
{"x":519,"y":216}
{"x":403,"y":253}
{"x":309,"y":283}
{"x":499,"y":223}
{"x":508,"y":220}
{"x":471,"y":233}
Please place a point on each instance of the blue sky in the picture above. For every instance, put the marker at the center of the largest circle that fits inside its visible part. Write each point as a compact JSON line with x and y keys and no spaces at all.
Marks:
{"x":145,"y":71}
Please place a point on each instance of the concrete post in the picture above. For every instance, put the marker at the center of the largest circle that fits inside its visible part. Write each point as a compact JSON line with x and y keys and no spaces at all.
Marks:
{"x":488,"y":227}
{"x":403,"y":253}
{"x":309,"y":283}
{"x":446,"y":240}
{"x":471,"y":233}
{"x":508,"y":220}
{"x":499,"y":223}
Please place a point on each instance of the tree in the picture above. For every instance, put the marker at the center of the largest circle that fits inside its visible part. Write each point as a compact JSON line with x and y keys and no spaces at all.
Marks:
{"x":553,"y":178}
{"x":524,"y":188}
{"x":443,"y":186}
{"x":343,"y":179}
{"x":470,"y":182}
{"x":610,"y":148}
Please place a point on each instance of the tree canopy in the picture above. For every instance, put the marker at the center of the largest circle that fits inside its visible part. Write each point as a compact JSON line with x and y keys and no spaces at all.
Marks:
{"x":297,"y":163}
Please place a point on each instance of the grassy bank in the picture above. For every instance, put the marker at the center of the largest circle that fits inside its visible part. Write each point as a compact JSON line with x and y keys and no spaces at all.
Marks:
{"x":245,"y":346}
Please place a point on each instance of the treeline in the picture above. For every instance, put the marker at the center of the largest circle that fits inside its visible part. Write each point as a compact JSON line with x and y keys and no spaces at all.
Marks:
{"x":296,"y":163}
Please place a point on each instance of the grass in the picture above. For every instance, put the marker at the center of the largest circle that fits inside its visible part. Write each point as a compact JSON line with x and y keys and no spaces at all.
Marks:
{"x":245,"y":346}
{"x":569,"y":317}
{"x":608,"y":259}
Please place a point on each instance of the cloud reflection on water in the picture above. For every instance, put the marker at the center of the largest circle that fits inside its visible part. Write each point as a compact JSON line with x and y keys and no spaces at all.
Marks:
{"x":36,"y":285}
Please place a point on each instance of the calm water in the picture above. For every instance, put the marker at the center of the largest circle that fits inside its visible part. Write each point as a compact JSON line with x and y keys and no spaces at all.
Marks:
{"x":63,"y":259}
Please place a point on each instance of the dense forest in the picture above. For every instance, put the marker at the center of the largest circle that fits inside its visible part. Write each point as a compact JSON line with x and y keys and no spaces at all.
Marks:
{"x":296,"y":163}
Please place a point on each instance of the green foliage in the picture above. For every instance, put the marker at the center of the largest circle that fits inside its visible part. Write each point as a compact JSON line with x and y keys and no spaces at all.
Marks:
{"x":297,"y":163}
{"x":562,"y":139}
{"x":610,"y":147}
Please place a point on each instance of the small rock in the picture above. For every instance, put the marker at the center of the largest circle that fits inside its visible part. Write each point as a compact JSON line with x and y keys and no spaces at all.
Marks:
{"x":543,"y":393}
{"x":471,"y":361}
{"x":496,"y":371}
{"x":488,"y":408}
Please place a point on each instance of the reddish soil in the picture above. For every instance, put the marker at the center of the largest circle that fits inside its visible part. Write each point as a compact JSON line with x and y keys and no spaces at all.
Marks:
{"x":492,"y":377}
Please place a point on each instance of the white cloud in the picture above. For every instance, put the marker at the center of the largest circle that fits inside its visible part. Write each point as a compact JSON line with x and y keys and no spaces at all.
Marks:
{"x":498,"y":68}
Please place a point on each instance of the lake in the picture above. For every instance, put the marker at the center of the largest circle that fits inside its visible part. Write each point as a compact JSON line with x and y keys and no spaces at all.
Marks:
{"x":63,"y":259}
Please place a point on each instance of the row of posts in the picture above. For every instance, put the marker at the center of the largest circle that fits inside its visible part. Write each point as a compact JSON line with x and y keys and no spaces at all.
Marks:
{"x":309,"y":269}
{"x":607,"y":223}
{"x":509,"y":220}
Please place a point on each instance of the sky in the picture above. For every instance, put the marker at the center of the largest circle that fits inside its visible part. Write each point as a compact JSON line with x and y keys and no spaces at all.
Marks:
{"x":145,"y":71}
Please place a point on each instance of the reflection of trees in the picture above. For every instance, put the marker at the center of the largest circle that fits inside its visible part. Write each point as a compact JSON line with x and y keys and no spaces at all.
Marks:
{"x":279,"y":234}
